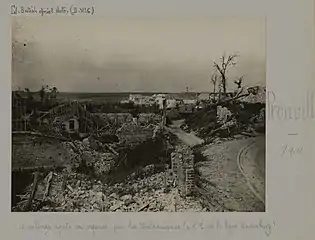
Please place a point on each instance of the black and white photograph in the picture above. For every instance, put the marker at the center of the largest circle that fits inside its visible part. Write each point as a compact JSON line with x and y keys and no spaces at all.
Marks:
{"x":138,"y":114}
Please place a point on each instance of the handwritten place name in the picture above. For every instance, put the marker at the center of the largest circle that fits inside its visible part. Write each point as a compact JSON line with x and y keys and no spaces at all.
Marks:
{"x":59,"y":10}
{"x":50,"y":229}
{"x":303,"y":112}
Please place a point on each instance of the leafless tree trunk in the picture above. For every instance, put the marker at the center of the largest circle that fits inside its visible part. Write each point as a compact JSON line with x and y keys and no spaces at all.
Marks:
{"x":222,"y":66}
{"x":214,"y":80}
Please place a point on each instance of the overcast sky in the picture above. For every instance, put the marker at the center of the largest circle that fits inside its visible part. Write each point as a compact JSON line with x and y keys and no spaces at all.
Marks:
{"x":99,"y":54}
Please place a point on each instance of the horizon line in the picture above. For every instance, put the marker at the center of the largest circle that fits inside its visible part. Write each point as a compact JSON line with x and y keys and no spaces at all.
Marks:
{"x":129,"y":92}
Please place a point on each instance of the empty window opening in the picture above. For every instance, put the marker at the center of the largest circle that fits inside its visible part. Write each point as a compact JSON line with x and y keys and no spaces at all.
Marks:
{"x":71,"y":124}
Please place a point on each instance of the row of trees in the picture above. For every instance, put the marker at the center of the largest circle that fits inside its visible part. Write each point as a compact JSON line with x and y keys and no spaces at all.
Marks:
{"x":46,"y":93}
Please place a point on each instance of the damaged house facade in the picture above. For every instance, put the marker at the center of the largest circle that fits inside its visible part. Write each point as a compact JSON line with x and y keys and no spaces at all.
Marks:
{"x":69,"y":124}
{"x":68,"y":117}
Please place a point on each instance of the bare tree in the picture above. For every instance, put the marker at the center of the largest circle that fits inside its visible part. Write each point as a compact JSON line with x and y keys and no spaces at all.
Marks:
{"x":222,"y":67}
{"x":214,"y":80}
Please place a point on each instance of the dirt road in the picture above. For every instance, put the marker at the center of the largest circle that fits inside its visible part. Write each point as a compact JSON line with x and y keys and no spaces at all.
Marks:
{"x":234,"y":171}
{"x":251,"y":160}
{"x":188,"y":138}
{"x":233,"y":174}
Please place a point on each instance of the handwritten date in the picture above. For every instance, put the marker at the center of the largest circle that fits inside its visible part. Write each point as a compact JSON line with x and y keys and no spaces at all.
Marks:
{"x":290,"y":151}
{"x":81,"y":10}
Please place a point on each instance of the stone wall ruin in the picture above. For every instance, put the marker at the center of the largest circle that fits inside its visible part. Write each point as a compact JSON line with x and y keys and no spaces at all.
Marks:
{"x":182,"y":160}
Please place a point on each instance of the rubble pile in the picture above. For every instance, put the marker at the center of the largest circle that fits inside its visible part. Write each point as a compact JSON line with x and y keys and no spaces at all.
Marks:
{"x":146,"y":188}
{"x":261,"y":116}
{"x":132,"y":133}
{"x":83,"y":194}
{"x":104,"y":164}
{"x":149,"y":118}
{"x":117,"y":118}
{"x":258,"y":97}
{"x":229,"y":124}
{"x":120,"y":164}
{"x":127,"y":129}
{"x":228,"y":120}
{"x":121,"y":118}
{"x":223,"y":115}
{"x":81,"y":152}
{"x":258,"y":121}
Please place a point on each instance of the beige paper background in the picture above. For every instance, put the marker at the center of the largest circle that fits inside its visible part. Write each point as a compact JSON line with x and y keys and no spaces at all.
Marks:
{"x":290,"y":74}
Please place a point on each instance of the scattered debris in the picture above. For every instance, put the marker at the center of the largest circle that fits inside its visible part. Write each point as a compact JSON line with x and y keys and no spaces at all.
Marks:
{"x":119,"y":162}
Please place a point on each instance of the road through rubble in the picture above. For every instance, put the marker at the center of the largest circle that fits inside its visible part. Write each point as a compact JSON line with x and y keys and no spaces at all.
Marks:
{"x":228,"y":180}
{"x":188,"y":138}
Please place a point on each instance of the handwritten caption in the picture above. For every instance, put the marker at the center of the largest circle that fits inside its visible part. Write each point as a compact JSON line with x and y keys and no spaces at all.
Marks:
{"x":263,"y":226}
{"x":59,"y":10}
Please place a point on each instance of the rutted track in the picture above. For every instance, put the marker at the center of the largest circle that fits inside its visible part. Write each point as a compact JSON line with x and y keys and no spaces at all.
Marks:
{"x":223,"y":180}
{"x":251,"y":180}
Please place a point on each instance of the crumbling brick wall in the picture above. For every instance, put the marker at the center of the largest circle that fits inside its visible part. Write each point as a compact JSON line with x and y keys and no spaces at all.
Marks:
{"x":37,"y":151}
{"x":182,"y":160}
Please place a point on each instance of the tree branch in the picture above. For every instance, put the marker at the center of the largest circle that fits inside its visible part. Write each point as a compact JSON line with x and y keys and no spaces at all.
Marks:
{"x":217,"y":67}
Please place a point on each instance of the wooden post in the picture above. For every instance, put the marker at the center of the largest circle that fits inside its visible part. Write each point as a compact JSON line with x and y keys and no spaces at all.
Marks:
{"x":34,"y":188}
{"x":49,"y":179}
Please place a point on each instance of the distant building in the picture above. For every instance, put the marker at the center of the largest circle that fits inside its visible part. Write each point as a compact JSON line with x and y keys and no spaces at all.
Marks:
{"x":151,"y":100}
{"x":159,"y":99}
{"x":216,"y":95}
{"x":187,"y":98}
{"x":136,"y":99}
{"x":139,"y":99}
{"x":171,"y":103}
